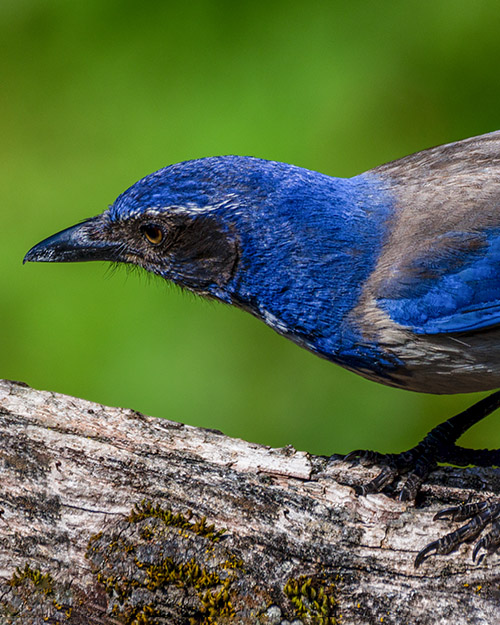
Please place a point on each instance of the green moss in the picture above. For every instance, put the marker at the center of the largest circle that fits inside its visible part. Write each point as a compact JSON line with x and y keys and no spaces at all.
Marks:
{"x":37,"y":588}
{"x":158,"y":562}
{"x":43,"y":582}
{"x":215,"y":605}
{"x":313,"y":600}
{"x":148,"y":510}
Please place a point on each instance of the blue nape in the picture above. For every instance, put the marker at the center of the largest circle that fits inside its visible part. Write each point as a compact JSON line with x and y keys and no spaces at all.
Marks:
{"x":308,"y":245}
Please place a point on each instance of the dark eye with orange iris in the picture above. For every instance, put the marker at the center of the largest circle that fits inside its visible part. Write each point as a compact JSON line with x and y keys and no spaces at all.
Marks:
{"x":153,"y":233}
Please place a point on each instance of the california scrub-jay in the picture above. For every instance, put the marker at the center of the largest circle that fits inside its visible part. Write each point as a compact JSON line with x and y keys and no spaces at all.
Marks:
{"x":393,"y":274}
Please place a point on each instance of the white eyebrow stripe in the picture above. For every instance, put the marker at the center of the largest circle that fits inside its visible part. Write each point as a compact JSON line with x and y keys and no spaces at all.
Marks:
{"x":191,"y":208}
{"x":230,"y":201}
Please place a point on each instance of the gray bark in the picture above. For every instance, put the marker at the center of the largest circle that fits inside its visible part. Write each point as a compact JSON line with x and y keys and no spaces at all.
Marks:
{"x":108,"y":516}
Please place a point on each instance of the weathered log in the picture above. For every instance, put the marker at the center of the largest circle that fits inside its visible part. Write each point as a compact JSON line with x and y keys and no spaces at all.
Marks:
{"x":108,"y":516}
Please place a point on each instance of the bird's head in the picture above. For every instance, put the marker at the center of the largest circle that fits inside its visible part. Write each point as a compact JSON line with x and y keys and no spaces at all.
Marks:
{"x":249,"y":232}
{"x":177,"y":223}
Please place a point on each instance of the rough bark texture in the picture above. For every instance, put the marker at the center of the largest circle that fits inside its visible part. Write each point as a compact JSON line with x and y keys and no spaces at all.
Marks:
{"x":108,"y":516}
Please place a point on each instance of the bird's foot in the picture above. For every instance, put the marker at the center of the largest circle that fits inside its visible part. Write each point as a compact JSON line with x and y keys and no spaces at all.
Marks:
{"x":415,"y":464}
{"x":438,"y":446}
{"x":479,"y":516}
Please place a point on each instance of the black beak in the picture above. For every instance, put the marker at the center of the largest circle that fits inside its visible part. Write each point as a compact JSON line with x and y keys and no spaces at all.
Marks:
{"x":78,"y":243}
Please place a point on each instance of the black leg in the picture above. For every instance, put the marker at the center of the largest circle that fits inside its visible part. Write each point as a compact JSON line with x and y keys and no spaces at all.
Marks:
{"x":464,"y":457}
{"x":437,"y":446}
{"x":416,"y":463}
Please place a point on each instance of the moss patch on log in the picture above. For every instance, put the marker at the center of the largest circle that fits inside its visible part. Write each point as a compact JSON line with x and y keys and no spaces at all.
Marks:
{"x":163,"y":565}
{"x":158,"y":567}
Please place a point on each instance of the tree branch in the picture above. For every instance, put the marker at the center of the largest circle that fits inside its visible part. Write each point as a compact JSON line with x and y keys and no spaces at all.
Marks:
{"x":108,"y":516}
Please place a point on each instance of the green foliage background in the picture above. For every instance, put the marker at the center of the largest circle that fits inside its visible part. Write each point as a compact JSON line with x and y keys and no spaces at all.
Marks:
{"x":96,"y":94}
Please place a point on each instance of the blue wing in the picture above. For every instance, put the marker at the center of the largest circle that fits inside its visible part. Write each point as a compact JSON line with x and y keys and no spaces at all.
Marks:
{"x":439,"y":271}
{"x":455,"y":287}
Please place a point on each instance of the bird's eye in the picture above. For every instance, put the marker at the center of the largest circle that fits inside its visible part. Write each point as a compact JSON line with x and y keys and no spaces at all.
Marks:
{"x":153,"y":233}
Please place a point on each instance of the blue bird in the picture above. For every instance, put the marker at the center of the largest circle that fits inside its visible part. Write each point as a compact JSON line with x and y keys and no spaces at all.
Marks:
{"x":393,"y":274}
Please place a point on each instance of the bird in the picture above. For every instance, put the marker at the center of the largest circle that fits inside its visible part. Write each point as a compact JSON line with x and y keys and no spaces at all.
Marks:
{"x":393,"y":273}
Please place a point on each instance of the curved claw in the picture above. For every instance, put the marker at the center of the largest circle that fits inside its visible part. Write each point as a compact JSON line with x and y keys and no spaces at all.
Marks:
{"x":447,"y":513}
{"x":411,"y":487}
{"x":406,"y":495}
{"x":353,"y":455}
{"x":480,"y":544}
{"x":383,"y":479}
{"x":466,"y":511}
{"x":431,"y":549}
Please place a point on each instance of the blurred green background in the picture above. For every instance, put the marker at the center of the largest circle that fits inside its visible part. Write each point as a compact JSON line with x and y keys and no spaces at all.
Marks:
{"x":97,"y":94}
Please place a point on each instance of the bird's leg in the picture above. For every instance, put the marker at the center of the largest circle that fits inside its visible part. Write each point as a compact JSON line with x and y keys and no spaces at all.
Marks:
{"x":439,"y":446}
